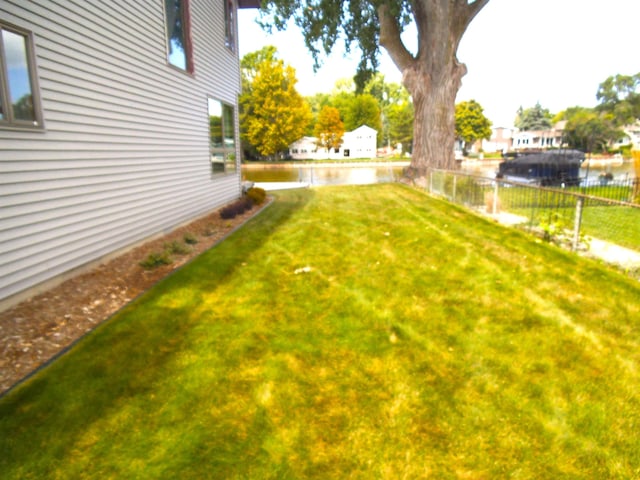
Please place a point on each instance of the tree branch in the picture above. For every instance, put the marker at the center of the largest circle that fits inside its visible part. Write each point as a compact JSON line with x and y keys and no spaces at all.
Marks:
{"x":471,"y":10}
{"x":390,"y":39}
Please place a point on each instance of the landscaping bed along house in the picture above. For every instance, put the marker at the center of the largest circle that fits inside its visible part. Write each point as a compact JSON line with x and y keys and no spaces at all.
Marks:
{"x":37,"y":329}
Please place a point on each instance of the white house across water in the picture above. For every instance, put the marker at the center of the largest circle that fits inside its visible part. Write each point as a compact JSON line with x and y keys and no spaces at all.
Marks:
{"x":118,"y":122}
{"x":359,"y":143}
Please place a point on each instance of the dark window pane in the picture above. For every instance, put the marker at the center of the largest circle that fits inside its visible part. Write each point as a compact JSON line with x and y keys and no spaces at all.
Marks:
{"x":229,"y":138}
{"x":21,"y":96}
{"x":176,"y":33}
{"x":229,"y":24}
{"x":229,"y":130}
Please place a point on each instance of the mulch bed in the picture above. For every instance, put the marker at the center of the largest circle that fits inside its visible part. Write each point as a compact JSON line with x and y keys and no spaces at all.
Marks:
{"x":39,"y":328}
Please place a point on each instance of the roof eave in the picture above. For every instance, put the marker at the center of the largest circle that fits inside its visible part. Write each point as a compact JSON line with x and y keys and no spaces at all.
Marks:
{"x":248,"y":3}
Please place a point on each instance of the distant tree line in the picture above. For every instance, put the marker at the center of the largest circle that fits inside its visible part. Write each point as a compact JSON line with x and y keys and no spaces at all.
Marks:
{"x":592,"y":129}
{"x":273,"y":114}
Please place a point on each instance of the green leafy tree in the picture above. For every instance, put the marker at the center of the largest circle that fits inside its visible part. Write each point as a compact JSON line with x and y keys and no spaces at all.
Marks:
{"x":471,"y":124}
{"x":273,"y":114}
{"x":329,"y":128}
{"x":317,"y":102}
{"x":535,"y":118}
{"x":355,"y":109}
{"x":401,"y":124}
{"x":250,"y":64}
{"x":432,"y":75}
{"x":588,"y":130}
{"x":363,"y":109}
{"x":619,"y":96}
{"x":387,"y":95}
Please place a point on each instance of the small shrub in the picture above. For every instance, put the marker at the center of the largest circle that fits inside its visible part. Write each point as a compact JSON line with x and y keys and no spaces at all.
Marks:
{"x":190,"y":239}
{"x":177,"y":248}
{"x":209,"y":231}
{"x":257,"y":195}
{"x":228,"y":212}
{"x":236,"y":208}
{"x":156,"y":259}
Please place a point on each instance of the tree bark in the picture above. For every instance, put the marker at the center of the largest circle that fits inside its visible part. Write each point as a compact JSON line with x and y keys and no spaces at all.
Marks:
{"x":432,"y":76}
{"x":434,"y":120}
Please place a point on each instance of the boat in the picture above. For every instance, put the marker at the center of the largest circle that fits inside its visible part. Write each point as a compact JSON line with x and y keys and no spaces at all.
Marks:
{"x":546,"y":168}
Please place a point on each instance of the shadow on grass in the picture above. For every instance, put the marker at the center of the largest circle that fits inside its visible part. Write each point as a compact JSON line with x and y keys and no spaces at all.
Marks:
{"x":90,"y":378}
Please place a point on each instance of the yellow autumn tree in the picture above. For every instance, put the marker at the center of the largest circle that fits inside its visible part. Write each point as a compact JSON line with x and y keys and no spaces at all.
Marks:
{"x":329,"y":128}
{"x":274,"y":114}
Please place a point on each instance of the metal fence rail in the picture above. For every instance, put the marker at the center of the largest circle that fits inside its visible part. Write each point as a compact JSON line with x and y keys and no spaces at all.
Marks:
{"x":607,"y":210}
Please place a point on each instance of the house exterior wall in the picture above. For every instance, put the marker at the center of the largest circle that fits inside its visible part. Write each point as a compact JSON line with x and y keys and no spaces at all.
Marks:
{"x":500,"y":141}
{"x":539,"y":139}
{"x":124,"y":152}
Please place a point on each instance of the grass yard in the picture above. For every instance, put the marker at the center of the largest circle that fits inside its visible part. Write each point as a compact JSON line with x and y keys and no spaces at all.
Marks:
{"x":617,"y":224}
{"x":363,"y":332}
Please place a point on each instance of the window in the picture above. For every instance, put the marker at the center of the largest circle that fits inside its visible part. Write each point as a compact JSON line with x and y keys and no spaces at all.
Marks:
{"x":19,"y":94}
{"x":222,"y":144}
{"x":230,"y":24}
{"x":178,"y":34}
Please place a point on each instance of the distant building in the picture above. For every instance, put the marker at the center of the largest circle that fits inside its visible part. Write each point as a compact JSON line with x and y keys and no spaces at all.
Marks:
{"x":359,"y":143}
{"x":501,"y":140}
{"x":539,"y":139}
{"x":631,"y":136}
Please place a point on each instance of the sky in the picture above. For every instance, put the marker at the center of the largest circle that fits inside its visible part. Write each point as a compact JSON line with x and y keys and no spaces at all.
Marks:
{"x":517,"y":52}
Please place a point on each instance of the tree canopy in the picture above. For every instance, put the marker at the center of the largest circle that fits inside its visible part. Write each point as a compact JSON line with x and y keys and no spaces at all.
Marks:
{"x":329,"y":128}
{"x":273,"y":114}
{"x":588,"y":130}
{"x":471,"y":124}
{"x":432,"y":74}
{"x":535,"y":118}
{"x":619,"y":96}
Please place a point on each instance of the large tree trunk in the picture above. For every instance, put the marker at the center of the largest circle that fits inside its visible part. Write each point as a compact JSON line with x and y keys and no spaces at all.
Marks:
{"x":434,"y":119}
{"x":432,"y":77}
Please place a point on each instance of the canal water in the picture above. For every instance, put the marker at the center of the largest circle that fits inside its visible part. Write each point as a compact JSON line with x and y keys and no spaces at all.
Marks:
{"x":381,"y":173}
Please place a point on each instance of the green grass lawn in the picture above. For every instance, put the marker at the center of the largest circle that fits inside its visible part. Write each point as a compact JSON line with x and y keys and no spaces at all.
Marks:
{"x":350,"y":332}
{"x":617,"y":224}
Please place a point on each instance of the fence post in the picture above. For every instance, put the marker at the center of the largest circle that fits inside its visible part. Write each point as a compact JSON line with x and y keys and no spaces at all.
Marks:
{"x":431,"y":182}
{"x":577,"y":222}
{"x":494,"y":209}
{"x":455,"y":177}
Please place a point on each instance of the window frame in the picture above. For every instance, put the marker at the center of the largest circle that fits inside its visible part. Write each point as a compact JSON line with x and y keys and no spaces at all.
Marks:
{"x":230,"y":19}
{"x":8,"y":122}
{"x":185,"y":11}
{"x":227,"y":154}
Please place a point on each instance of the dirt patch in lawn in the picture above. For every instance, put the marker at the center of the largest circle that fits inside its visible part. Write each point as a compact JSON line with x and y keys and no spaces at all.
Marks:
{"x":37,"y":329}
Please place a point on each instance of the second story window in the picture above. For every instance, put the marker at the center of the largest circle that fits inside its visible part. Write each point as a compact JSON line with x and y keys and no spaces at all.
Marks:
{"x":19,"y":99}
{"x":230,"y":24}
{"x":178,"y":34}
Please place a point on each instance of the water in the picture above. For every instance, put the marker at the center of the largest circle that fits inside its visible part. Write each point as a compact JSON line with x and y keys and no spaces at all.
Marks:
{"x":330,"y":175}
{"x":361,"y":175}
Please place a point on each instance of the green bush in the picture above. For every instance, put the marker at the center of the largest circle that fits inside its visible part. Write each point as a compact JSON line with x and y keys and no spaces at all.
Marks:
{"x":257,"y":195}
{"x":177,"y":248}
{"x":156,"y":259}
{"x":190,"y":239}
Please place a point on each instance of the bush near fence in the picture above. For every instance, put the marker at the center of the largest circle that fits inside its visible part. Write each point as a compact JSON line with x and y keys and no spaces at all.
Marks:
{"x":604,"y":210}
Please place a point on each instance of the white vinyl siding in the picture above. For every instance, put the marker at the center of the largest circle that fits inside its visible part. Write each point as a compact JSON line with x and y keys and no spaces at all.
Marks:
{"x":125,"y":150}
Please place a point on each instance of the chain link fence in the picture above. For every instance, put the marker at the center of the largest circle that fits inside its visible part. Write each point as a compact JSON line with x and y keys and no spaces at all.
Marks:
{"x":604,"y":210}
